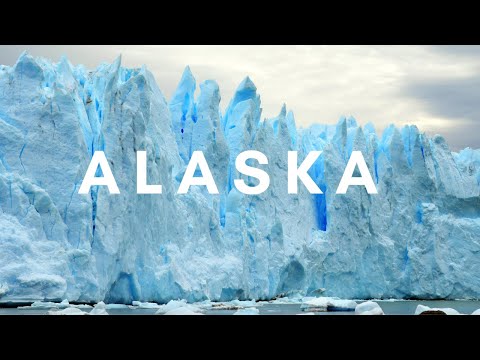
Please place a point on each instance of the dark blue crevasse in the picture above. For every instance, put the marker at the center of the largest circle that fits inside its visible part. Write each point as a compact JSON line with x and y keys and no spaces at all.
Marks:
{"x":317,"y":173}
{"x":223,"y":209}
{"x":94,"y":190}
{"x":321,"y":208}
{"x":419,"y":213}
{"x":406,"y":258}
{"x":194,"y":113}
{"x":93,"y":195}
{"x":185,"y":108}
{"x":421,"y":138}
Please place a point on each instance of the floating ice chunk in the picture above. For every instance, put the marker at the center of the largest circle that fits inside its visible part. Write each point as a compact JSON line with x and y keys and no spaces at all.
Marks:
{"x":368,"y":308}
{"x":177,"y":304}
{"x":476,"y":312}
{"x":81,"y":306}
{"x":99,"y":309}
{"x":244,"y":304}
{"x":321,"y":304}
{"x":315,"y":304}
{"x":306,"y":313}
{"x":65,"y":304}
{"x":115,"y":306}
{"x":234,"y":305}
{"x":41,"y":305}
{"x":182,"y":311}
{"x":68,"y":311}
{"x":206,"y":304}
{"x":247,"y":311}
{"x":145,"y":305}
{"x":294,"y":299}
{"x":171,"y":305}
{"x":422,"y":308}
{"x":54,"y":305}
{"x":225,"y":306}
{"x":341,"y":305}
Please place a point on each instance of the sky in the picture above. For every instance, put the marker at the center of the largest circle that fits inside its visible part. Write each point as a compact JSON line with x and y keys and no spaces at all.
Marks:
{"x":436,"y":88}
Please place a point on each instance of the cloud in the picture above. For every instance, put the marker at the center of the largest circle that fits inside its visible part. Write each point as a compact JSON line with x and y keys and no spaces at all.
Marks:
{"x":450,"y":102}
{"x":458,"y":50}
{"x":455,"y":98}
{"x":431,"y":86}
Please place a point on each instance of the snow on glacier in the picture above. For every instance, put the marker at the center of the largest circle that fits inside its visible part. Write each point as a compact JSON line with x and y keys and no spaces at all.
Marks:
{"x":417,"y":238}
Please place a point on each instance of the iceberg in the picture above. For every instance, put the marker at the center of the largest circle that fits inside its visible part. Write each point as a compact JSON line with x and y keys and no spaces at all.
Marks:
{"x":447,"y":311}
{"x":232,"y":305}
{"x":182,"y":311}
{"x":116,"y":306}
{"x":247,"y":311}
{"x":322,"y":304}
{"x":68,"y":311}
{"x":53,"y":305}
{"x":416,"y":238}
{"x":145,"y":305}
{"x":99,"y":309}
{"x":176,"y":307}
{"x":368,"y":308}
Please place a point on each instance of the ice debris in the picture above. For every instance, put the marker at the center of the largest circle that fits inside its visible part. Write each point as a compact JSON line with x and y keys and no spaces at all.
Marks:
{"x":145,"y":305}
{"x":99,"y":309}
{"x":182,"y":311}
{"x":247,"y":311}
{"x":68,"y":311}
{"x":322,"y":304}
{"x":55,"y":305}
{"x":175,"y":305}
{"x":368,"y":308}
{"x":423,"y":308}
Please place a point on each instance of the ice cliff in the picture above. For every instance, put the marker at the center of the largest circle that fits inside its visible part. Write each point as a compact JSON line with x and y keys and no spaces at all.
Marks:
{"x":419,"y":237}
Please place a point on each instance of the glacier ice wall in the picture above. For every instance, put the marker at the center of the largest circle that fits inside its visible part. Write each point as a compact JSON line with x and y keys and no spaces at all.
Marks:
{"x":419,"y":237}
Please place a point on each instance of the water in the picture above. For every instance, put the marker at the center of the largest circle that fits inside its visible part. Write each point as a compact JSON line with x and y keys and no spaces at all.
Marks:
{"x":389,"y":307}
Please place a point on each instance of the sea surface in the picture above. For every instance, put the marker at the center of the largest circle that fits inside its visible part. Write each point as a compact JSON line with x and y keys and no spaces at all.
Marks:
{"x":400,"y":307}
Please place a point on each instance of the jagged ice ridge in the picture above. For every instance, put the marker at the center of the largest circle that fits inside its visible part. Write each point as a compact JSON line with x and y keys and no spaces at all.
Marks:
{"x":417,"y":238}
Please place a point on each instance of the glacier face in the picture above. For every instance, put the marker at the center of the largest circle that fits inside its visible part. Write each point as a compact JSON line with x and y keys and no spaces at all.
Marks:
{"x":417,"y":238}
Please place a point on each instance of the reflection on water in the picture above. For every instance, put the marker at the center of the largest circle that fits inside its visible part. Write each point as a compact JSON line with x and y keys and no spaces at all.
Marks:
{"x":389,"y":307}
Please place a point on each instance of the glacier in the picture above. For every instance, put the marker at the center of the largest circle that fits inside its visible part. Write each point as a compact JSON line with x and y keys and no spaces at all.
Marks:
{"x":417,"y":238}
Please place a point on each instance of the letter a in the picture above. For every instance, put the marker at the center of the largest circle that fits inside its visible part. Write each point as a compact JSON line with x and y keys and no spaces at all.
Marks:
{"x":365,"y":179}
{"x":99,"y":159}
{"x":206,"y":179}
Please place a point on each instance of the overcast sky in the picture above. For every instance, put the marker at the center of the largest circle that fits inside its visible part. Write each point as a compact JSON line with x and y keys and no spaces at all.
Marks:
{"x":435,"y":87}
